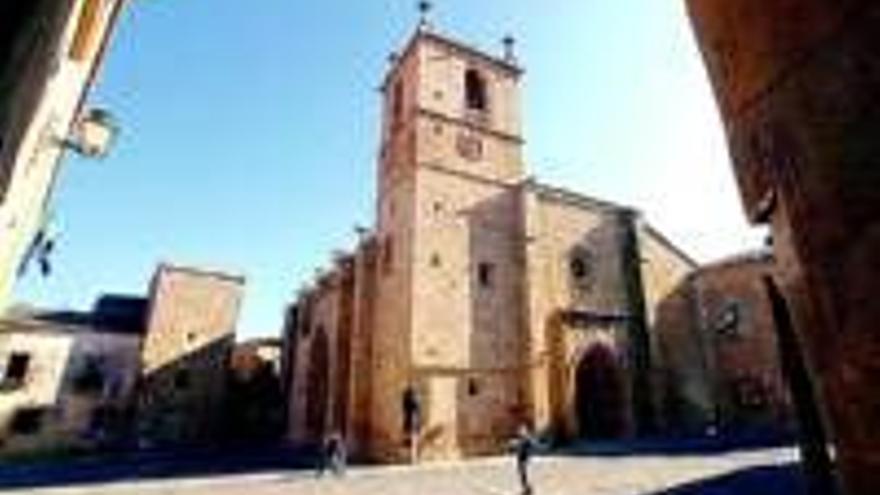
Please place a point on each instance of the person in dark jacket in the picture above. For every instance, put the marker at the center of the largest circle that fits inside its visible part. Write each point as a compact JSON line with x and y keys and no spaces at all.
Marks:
{"x":412,"y":414}
{"x":524,"y":446}
{"x":333,"y":455}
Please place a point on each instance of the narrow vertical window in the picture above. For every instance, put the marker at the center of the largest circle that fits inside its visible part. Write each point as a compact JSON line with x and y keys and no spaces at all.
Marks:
{"x":17,"y":369}
{"x":473,"y":387}
{"x":388,"y":255}
{"x":397,"y":104}
{"x":485,"y":275}
{"x":475,"y":91}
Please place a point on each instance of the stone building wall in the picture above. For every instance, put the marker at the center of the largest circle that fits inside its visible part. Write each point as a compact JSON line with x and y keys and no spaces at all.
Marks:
{"x":465,"y":327}
{"x":567,"y":229}
{"x":685,"y":402}
{"x":719,"y":353}
{"x":254,"y":412}
{"x":562,"y":224}
{"x":665,"y":268}
{"x":751,"y":392}
{"x":366,"y":273}
{"x":77,"y":390}
{"x":445,"y":125}
{"x":394,"y":237}
{"x":186,"y":350}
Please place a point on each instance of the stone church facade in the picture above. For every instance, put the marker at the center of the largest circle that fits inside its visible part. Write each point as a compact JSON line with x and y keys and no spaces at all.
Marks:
{"x":496,"y":299}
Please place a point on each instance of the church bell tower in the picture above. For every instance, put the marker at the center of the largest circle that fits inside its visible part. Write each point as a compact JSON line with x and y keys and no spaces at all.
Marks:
{"x":448,"y":220}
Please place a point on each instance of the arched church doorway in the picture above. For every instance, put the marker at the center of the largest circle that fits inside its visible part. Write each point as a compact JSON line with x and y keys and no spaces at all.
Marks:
{"x":317,"y":386}
{"x":599,"y":394}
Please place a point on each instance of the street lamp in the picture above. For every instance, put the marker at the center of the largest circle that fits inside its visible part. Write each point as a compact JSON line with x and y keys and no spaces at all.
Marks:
{"x":93,"y":134}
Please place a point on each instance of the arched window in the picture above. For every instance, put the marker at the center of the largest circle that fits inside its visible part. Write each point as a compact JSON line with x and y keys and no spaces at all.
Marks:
{"x":475,"y":91}
{"x":581,"y":266}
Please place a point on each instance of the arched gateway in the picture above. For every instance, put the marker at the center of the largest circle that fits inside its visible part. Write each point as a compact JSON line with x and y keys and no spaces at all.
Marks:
{"x":600,"y":399}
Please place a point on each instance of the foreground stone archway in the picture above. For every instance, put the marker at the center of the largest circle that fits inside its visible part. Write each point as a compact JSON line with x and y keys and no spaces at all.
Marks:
{"x":798,"y":86}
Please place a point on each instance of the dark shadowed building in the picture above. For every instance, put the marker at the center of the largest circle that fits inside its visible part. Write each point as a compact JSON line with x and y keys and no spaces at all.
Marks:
{"x":717,"y":342}
{"x":189,"y":341}
{"x":255,"y":404}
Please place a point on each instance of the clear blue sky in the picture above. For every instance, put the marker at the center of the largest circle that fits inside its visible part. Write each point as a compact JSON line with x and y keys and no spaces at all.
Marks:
{"x":249,"y":134}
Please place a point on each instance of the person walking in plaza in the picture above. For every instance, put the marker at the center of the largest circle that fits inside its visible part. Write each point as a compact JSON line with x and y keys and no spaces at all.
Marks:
{"x":524,"y":446}
{"x":332,"y":455}
{"x":411,"y":421}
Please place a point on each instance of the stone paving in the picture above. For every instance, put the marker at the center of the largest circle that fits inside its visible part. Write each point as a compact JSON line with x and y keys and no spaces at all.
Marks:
{"x":556,"y":475}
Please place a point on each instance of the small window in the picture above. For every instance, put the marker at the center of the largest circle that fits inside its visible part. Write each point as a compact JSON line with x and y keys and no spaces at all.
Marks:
{"x":27,"y":421}
{"x":485,"y":274}
{"x":475,"y":91}
{"x":190,"y":337}
{"x":473,"y":388}
{"x":17,"y":369}
{"x":435,"y":260}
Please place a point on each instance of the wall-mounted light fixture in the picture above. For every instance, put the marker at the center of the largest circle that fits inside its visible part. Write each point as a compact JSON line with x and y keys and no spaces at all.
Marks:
{"x":92,"y":134}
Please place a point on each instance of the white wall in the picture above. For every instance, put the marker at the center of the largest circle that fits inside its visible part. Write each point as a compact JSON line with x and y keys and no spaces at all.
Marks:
{"x":38,"y":158}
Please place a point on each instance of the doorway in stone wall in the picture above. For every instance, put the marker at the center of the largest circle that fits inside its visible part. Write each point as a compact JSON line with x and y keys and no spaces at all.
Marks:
{"x":599,"y":394}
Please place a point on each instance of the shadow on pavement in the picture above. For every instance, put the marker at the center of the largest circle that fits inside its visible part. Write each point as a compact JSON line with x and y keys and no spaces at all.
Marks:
{"x":761,"y":480}
{"x":151,"y":466}
{"x":682,"y":446}
{"x":202,"y":463}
